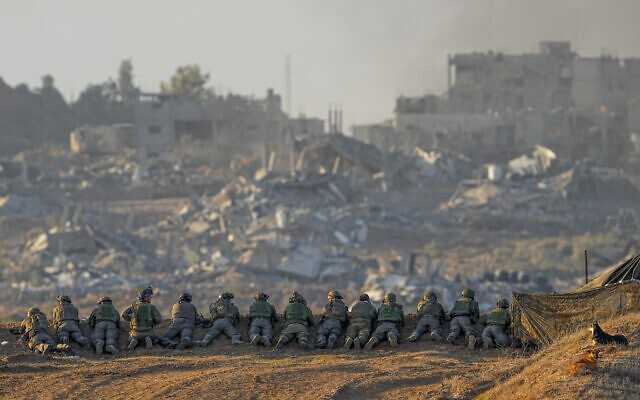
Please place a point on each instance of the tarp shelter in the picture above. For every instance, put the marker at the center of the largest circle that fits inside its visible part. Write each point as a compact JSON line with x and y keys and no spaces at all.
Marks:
{"x":541,"y":318}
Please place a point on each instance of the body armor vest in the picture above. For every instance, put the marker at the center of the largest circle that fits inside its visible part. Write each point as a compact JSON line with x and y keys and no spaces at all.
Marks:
{"x":337,"y":310}
{"x":363,"y":310}
{"x":462,"y":307}
{"x":184,"y":310}
{"x":260,"y":309}
{"x":297,"y":312}
{"x":222,"y":310}
{"x":106,"y":312}
{"x":390,"y":313}
{"x":143,"y":316}
{"x":498,"y":316}
{"x":67,"y":312}
{"x":433,"y":309}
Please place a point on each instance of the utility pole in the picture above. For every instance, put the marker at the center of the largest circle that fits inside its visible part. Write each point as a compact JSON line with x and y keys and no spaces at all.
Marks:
{"x":586,"y":267}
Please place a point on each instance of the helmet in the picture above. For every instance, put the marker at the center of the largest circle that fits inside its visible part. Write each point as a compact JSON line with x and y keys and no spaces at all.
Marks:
{"x":334,"y":294}
{"x":468,"y":293}
{"x":430,"y":295}
{"x":503,"y":303}
{"x":104,"y":299}
{"x":262,"y":296}
{"x":226,"y":295}
{"x":364,"y":297}
{"x":64,"y":298}
{"x":296,"y":298}
{"x":145,"y":294}
{"x":32,"y":311}
{"x":185,"y":297}
{"x":390,"y":298}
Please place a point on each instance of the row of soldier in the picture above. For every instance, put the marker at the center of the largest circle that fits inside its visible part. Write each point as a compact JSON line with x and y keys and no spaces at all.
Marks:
{"x":365,"y":325}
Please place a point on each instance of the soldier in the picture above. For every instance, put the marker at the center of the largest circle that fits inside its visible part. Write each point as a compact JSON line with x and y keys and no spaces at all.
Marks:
{"x":431,"y":316}
{"x":34,"y":329}
{"x":225,"y":317}
{"x":297,"y":319}
{"x":262,"y":315}
{"x":65,"y":321}
{"x":498,"y":321}
{"x":464,"y":315}
{"x":335,"y":315}
{"x":143,"y":317}
{"x":390,"y":318}
{"x":184,"y":318}
{"x":104,"y":320}
{"x":362,"y":316}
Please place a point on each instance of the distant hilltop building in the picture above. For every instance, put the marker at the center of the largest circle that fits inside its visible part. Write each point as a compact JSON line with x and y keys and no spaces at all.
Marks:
{"x":498,"y":104}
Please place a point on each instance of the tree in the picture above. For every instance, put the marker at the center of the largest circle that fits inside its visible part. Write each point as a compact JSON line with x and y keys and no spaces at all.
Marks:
{"x":188,"y":80}
{"x":126,"y":87}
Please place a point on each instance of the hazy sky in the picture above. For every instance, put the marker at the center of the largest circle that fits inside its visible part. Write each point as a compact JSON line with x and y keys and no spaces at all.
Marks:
{"x":359,"y":54}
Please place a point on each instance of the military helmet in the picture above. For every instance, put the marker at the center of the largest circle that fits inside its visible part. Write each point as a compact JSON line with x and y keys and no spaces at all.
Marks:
{"x":390,"y":298}
{"x":296,"y":298}
{"x":104,"y":299}
{"x":64,"y":298}
{"x":468,"y":293}
{"x":334,"y":294}
{"x":262,"y":296}
{"x":145,"y":294}
{"x":430,"y":295}
{"x":503,"y":303}
{"x":364,"y":297}
{"x":186,"y":297}
{"x":33,"y":310}
{"x":226,"y":295}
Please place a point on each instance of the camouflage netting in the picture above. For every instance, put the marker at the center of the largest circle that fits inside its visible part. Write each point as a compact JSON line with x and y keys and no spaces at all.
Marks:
{"x":541,"y":318}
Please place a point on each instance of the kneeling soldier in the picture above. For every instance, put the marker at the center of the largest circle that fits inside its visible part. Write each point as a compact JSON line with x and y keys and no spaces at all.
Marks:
{"x":65,"y":320}
{"x":184,"y":318}
{"x":361,"y":318}
{"x":297,"y":319}
{"x":431,"y":316}
{"x":464,"y":315}
{"x":335,"y":315}
{"x":104,"y":320}
{"x":498,"y":321}
{"x":34,"y":331}
{"x":390,"y":319}
{"x":262,"y":315}
{"x":226,"y":317}
{"x":143,"y":317}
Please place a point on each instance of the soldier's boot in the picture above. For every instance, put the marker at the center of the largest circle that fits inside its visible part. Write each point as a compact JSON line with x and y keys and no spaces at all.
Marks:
{"x":393,"y":340}
{"x":148,"y":343}
{"x":184,"y":343}
{"x":266,"y":341}
{"x":60,"y":347}
{"x":451,"y":338}
{"x":331,"y":342}
{"x":413,"y":338}
{"x":370,"y":344}
{"x":133,"y":342}
{"x":321,"y":342}
{"x":280,"y":344}
{"x":235,"y":340}
{"x":205,"y":341}
{"x":255,"y":340}
{"x":436,"y":336}
{"x":43,"y":348}
{"x":64,"y":339}
{"x":471,"y":342}
{"x":99,"y":347}
{"x":305,"y":343}
{"x":112,"y":349}
{"x":485,"y":344}
{"x":357,"y":344}
{"x":84,"y":342}
{"x":348,"y":342}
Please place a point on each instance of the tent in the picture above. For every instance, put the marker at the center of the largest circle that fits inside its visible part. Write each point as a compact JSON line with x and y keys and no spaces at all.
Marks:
{"x":541,"y":318}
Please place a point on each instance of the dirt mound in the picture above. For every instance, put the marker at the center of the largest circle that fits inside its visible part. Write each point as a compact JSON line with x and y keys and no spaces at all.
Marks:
{"x":547,"y":374}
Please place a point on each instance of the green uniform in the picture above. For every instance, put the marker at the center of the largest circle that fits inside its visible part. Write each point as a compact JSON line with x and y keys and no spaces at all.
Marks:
{"x":226,"y":317}
{"x":184,"y":317}
{"x":464,"y":314}
{"x":35,"y":333}
{"x":298,"y":318}
{"x":390,"y":318}
{"x":142,"y":317}
{"x":362,"y":316}
{"x":65,"y":320}
{"x":431,"y":316}
{"x":498,"y":322}
{"x":261,"y":317}
{"x":335,"y":315}
{"x":104,"y":320}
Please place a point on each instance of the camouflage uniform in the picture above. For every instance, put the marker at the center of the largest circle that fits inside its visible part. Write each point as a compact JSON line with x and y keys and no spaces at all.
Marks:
{"x":226,"y":317}
{"x":262,"y":315}
{"x":464,"y":315}
{"x":104,"y":320}
{"x":184,"y":318}
{"x":335,"y":315}
{"x":362,"y":316}
{"x":431,"y":315}
{"x":498,"y":321}
{"x":298,"y":318}
{"x":65,"y":320}
{"x":390,"y":317}
{"x":35,"y":331}
{"x":143,"y":317}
